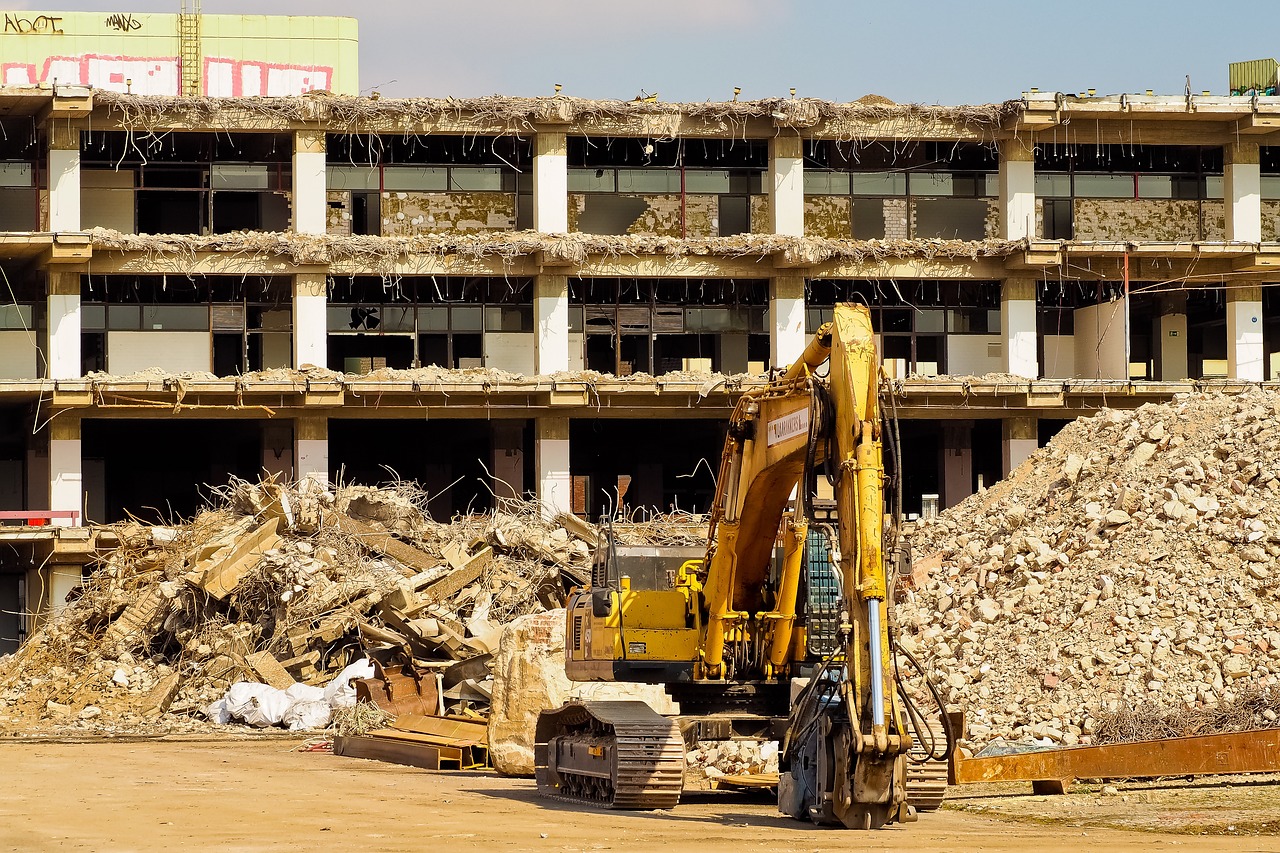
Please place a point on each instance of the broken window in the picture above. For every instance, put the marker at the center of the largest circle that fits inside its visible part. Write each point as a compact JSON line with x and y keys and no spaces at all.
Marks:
{"x":186,"y":183}
{"x":926,"y":328}
{"x":404,"y":185}
{"x":912,"y":190}
{"x":662,"y":326}
{"x":1092,"y":191}
{"x":223,"y":324}
{"x":21,"y":177}
{"x":674,"y":188}
{"x":19,"y":197}
{"x":453,"y":322}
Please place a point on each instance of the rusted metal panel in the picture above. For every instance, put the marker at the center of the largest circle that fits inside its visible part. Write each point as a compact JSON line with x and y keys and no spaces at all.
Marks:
{"x":1238,"y":752}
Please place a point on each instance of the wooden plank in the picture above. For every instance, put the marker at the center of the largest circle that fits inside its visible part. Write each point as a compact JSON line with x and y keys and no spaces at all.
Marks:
{"x":221,"y":578}
{"x":395,"y":751}
{"x":270,"y":670}
{"x":1204,"y":755}
{"x":411,"y":558}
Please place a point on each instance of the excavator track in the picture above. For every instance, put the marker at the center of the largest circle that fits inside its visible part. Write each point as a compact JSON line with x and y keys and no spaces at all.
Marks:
{"x":614,"y":754}
{"x":926,"y":777}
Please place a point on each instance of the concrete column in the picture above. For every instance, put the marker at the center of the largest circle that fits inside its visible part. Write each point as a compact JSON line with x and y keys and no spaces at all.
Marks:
{"x":1242,"y":192}
{"x":1171,"y":333}
{"x":787,"y":336}
{"x":311,"y":448}
{"x":64,"y":175}
{"x":310,"y":320}
{"x":551,"y":183}
{"x":1245,"y":355}
{"x":786,"y":185}
{"x":551,"y":446}
{"x":1018,"y":327}
{"x":506,"y":463}
{"x":551,"y":323}
{"x":62,"y":337}
{"x":1017,"y":189}
{"x":1020,"y":438}
{"x":66,"y":480}
{"x":310,"y":199}
{"x":957,"y":462}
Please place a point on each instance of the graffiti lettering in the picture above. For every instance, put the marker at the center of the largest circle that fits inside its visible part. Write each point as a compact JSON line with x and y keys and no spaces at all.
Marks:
{"x":125,"y":23}
{"x":38,"y":24}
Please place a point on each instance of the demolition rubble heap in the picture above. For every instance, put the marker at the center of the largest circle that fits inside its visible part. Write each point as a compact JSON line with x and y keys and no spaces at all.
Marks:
{"x":289,"y":584}
{"x":1121,"y":584}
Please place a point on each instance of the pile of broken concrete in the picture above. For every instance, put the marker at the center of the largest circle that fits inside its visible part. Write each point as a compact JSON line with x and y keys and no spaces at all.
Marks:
{"x":288,"y":586}
{"x":1130,"y":564}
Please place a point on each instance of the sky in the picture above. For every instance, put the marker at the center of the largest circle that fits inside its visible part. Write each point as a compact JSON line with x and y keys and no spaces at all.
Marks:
{"x":945,"y":52}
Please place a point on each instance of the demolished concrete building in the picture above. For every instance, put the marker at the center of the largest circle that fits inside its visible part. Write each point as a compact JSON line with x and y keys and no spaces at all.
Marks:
{"x":505,"y":296}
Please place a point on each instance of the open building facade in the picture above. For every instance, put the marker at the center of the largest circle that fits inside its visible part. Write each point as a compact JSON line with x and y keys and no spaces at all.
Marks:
{"x":562,"y":299}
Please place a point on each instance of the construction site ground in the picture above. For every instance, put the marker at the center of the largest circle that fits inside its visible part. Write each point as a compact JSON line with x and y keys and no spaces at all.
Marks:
{"x":263,"y":794}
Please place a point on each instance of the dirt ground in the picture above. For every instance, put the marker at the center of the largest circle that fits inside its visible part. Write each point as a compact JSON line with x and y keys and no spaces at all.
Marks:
{"x":252,"y":795}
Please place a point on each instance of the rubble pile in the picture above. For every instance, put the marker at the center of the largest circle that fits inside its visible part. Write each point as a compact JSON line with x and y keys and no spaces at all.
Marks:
{"x":717,"y":759}
{"x":1129,"y":565}
{"x":287,"y":585}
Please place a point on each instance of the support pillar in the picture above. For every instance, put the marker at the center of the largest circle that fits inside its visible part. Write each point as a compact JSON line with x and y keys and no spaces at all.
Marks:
{"x":786,"y":185}
{"x":64,"y":175}
{"x":1018,"y":327}
{"x":310,"y":198}
{"x":311,"y":448}
{"x":957,"y":462}
{"x":1242,"y":192}
{"x":66,"y":478}
{"x":310,"y":320}
{"x":506,"y":463}
{"x":551,"y":323}
{"x":1017,"y":189}
{"x":787,"y":336}
{"x":1245,"y":356}
{"x":551,"y":183}
{"x":62,"y":336}
{"x":1171,"y":332}
{"x":1020,"y":438}
{"x":551,"y":446}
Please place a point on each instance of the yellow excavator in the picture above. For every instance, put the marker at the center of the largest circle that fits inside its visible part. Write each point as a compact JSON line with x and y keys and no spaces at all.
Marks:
{"x":737,"y":637}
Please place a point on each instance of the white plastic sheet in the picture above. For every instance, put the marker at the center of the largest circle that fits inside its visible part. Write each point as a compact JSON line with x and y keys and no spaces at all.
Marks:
{"x":340,"y":693}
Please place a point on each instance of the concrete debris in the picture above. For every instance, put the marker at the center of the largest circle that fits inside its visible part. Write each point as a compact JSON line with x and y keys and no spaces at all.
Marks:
{"x":382,"y":254}
{"x":150,"y":112}
{"x":716,"y":759}
{"x":285,"y":585}
{"x":528,"y":678}
{"x":1120,"y":582}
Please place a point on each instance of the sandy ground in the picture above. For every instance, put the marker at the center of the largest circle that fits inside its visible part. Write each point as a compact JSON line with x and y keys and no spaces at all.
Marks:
{"x":262,"y":795}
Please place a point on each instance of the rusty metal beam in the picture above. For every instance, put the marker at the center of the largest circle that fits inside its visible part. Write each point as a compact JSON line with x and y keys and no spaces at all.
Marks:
{"x":1204,"y":755}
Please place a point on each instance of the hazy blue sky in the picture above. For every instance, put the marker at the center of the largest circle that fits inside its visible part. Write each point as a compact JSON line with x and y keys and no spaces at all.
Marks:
{"x":693,"y":50}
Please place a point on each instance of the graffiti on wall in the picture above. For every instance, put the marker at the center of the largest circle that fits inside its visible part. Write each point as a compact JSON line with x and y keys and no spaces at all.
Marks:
{"x":160,"y":75}
{"x":125,"y":23}
{"x":41,"y":24}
